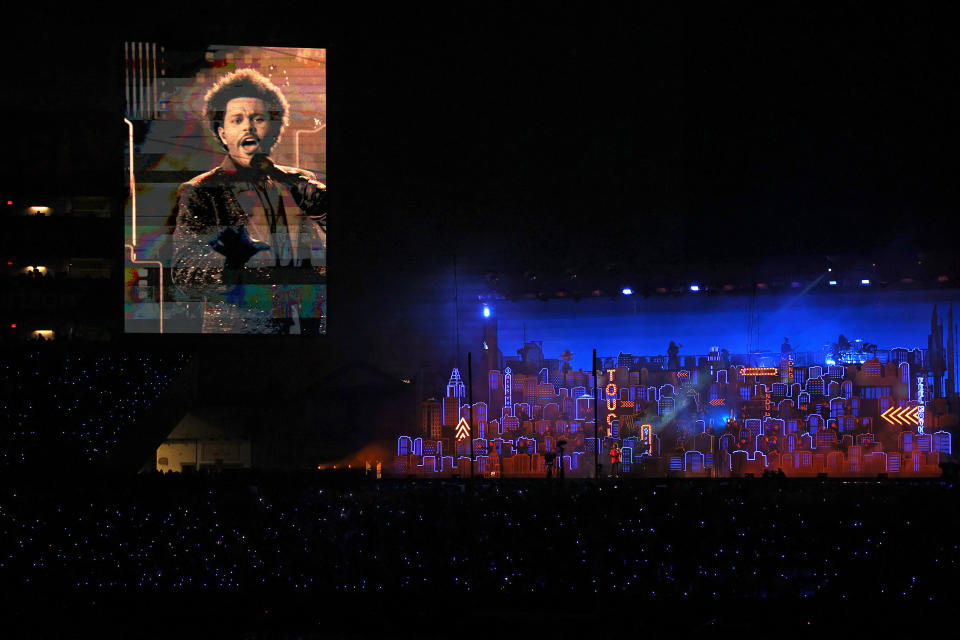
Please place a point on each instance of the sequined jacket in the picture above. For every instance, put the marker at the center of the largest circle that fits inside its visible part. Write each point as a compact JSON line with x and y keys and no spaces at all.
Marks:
{"x":252,"y":298}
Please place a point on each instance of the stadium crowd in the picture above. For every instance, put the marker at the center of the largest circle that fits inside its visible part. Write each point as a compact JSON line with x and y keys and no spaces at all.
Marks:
{"x":54,"y":399}
{"x":244,"y":531}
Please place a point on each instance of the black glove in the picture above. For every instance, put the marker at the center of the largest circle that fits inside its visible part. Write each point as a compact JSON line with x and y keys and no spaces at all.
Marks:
{"x":309,"y":194}
{"x":237,"y":246}
{"x":311,"y":197}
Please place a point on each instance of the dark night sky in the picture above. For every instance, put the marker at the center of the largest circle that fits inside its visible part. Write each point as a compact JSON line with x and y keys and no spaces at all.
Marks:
{"x":644,"y":138}
{"x":653,"y":142}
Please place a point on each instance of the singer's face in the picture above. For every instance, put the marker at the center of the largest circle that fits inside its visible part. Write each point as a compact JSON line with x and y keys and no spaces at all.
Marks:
{"x":246,"y":129}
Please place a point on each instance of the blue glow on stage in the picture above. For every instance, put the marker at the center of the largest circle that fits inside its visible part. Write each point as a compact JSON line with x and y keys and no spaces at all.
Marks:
{"x":636,"y":325}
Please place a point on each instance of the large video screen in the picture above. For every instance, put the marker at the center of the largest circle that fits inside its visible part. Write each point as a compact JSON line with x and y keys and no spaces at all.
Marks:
{"x":226,"y":215}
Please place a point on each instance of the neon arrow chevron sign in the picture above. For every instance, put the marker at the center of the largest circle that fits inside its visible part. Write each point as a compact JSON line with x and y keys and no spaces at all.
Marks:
{"x":463,"y":430}
{"x":902,"y":416}
{"x":718,"y":402}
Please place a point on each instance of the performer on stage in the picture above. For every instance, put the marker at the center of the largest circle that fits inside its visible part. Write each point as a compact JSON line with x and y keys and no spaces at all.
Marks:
{"x":615,"y":454}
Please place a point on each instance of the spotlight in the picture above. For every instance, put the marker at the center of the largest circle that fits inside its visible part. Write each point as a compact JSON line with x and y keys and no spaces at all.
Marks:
{"x":627,"y":291}
{"x":832,"y":283}
{"x":486,"y":311}
{"x":865,"y":281}
{"x":694,"y":287}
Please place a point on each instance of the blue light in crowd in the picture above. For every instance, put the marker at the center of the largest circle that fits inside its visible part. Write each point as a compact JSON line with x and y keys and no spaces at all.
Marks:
{"x":627,"y":291}
{"x":694,"y":287}
{"x":865,"y":281}
{"x":833,"y":283}
{"x":486,"y":311}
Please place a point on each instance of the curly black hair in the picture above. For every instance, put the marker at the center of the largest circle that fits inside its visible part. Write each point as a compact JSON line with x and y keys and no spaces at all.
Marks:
{"x":245,"y":83}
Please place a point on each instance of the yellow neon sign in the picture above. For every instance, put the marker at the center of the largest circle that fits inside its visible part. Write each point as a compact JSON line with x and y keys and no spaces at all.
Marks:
{"x":611,"y":391}
{"x":759,"y":371}
{"x":463,"y":430}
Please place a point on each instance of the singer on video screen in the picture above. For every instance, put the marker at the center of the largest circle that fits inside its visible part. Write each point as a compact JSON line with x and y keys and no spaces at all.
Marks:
{"x":250,"y":235}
